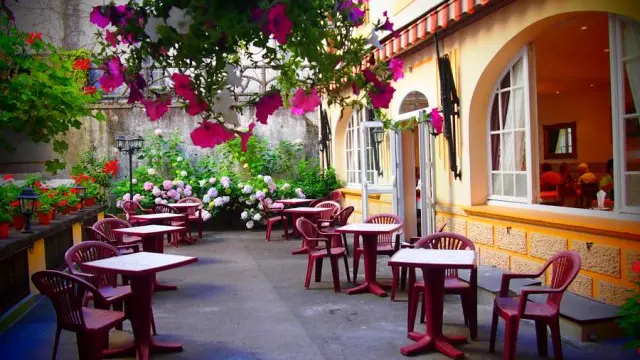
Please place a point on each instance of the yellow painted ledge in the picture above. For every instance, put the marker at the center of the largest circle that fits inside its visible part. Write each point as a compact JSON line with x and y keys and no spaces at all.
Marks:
{"x":579,"y":223}
{"x":357,"y":192}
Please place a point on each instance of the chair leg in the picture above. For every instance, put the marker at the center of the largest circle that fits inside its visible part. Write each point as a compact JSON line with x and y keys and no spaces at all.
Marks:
{"x":118,"y":307}
{"x":307,"y":279}
{"x":494,"y":331}
{"x":394,"y":281}
{"x":356,"y":263}
{"x":334,"y":272}
{"x":541,"y":337}
{"x":346,"y":268}
{"x":153,"y":324}
{"x":285,"y":225}
{"x":555,"y":339}
{"x":465,"y":309}
{"x":269,"y":226}
{"x":344,"y":243}
{"x":319,"y":269}
{"x":55,"y":343}
{"x":473,"y":313}
{"x":423,"y":308}
{"x":200,"y":229}
{"x":511,"y":337}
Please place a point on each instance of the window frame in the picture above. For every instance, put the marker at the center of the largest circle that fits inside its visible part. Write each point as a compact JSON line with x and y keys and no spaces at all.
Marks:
{"x":548,"y":155}
{"x":359,"y":114}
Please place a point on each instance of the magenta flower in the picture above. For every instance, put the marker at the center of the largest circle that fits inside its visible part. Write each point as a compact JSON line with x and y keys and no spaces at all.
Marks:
{"x":278,"y":24}
{"x":302,"y":102}
{"x":167,"y":184}
{"x":355,"y":88}
{"x":395,"y":66}
{"x":196,"y":106}
{"x":267,"y":105}
{"x":244,"y":136}
{"x":113,"y":77}
{"x":436,"y":120}
{"x":388,"y":25}
{"x":135,"y":89}
{"x":182,"y":86}
{"x":111,"y":38}
{"x":156,"y":108}
{"x":381,"y":95}
{"x":99,"y":17}
{"x":209,"y":134}
{"x":371,"y":77}
{"x":356,"y":15}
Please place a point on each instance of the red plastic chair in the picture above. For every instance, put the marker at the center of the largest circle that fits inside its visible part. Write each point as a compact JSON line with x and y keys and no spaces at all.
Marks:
{"x":387,"y":245}
{"x":67,"y":293}
{"x":318,"y":201}
{"x":452,"y":284}
{"x":566,"y":265}
{"x":313,"y":236}
{"x":326,"y":218}
{"x":107,"y":284}
{"x":194,"y":215}
{"x":274,"y":214}
{"x":185,"y":235}
{"x":103,"y":231}
{"x":337,"y":196}
{"x":341,"y":219}
{"x":133,"y":208}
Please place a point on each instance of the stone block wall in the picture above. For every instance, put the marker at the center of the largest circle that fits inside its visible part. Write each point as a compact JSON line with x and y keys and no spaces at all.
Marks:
{"x":605,"y":275}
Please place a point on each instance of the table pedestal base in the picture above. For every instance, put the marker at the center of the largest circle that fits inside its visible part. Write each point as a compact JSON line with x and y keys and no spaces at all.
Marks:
{"x":442,"y":344}
{"x":371,"y":287}
{"x":143,"y":352}
{"x":162,"y":287}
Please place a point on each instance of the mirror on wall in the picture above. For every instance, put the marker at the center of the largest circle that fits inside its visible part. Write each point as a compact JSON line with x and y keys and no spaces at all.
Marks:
{"x":560,"y":141}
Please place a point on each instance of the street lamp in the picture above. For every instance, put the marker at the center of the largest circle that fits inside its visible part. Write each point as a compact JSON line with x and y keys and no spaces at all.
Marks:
{"x":130,"y":146}
{"x":80,"y":191}
{"x":28,"y":199}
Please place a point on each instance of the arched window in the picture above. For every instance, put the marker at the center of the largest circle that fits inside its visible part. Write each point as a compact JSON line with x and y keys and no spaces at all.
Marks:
{"x":352,"y":148}
{"x":414,"y":100}
{"x":509,"y":141}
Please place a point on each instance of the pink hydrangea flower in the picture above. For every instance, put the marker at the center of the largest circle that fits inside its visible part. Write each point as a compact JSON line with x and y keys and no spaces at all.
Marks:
{"x":167,"y":184}
{"x":137,"y":198}
{"x":156,"y":108}
{"x":99,"y":17}
{"x":302,"y":102}
{"x":381,"y":95}
{"x":436,"y":120}
{"x":278,"y":24}
{"x":209,"y":134}
{"x":267,"y":105}
{"x":173,"y":194}
{"x":148,"y":186}
{"x":396,"y":68}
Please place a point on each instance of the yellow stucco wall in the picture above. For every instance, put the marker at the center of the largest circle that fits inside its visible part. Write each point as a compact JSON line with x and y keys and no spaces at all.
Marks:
{"x":482,"y":50}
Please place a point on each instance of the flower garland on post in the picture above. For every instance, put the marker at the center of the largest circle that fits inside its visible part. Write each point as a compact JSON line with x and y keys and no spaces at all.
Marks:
{"x":202,"y":46}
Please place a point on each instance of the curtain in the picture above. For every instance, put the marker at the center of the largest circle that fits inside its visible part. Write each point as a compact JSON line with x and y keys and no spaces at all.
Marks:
{"x":507,"y":152}
{"x":561,"y":140}
{"x":631,"y":54}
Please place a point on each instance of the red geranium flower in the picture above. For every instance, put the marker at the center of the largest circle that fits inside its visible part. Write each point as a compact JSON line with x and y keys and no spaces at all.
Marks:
{"x":37,"y":184}
{"x":7,"y":177}
{"x":33,"y":36}
{"x":82,"y":64}
{"x":62,"y":203}
{"x":90,"y":90}
{"x":15,"y":203}
{"x":73,"y":190}
{"x":111,"y":167}
{"x":635,"y":267}
{"x":51,"y":195}
{"x":93,"y":179}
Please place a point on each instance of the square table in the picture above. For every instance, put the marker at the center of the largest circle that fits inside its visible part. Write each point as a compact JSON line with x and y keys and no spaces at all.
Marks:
{"x":158,"y":217}
{"x":184,"y":207}
{"x":141,"y":268}
{"x":434,"y":263}
{"x":294,"y":202}
{"x":152,"y":241}
{"x":369,"y":234}
{"x":306,"y":212}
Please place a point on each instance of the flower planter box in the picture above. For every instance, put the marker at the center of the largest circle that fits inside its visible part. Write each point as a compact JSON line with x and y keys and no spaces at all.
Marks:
{"x":18,"y":222}
{"x":44,"y":218}
{"x":90,"y":201}
{"x":4,"y":230}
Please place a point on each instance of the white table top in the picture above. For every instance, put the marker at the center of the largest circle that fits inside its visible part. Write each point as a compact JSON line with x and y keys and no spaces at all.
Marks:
{"x":149,"y":230}
{"x":184,"y":205}
{"x":368,"y":228}
{"x":310,"y":210}
{"x":140,"y":263}
{"x":157,"y":216}
{"x":462,"y":259}
{"x":294,"y":201}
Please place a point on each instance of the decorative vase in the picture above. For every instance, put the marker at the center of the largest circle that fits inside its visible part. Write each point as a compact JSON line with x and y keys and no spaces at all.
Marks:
{"x":18,"y":222}
{"x":4,"y":230}
{"x":44,"y":218}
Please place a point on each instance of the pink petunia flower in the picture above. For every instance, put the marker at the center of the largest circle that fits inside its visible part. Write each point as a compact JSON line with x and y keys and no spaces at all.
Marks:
{"x":209,"y":134}
{"x":182,"y":86}
{"x":355,"y":88}
{"x":196,"y":106}
{"x":99,"y":17}
{"x":267,"y":105}
{"x":387,"y":25}
{"x":244,"y":136}
{"x":356,"y":15}
{"x":135,"y":89}
{"x":396,"y":68}
{"x":278,"y":24}
{"x":113,"y":76}
{"x":111,"y":38}
{"x":371,"y":77}
{"x":156,"y":108}
{"x":436,"y":120}
{"x":381,"y":95}
{"x":302,"y":102}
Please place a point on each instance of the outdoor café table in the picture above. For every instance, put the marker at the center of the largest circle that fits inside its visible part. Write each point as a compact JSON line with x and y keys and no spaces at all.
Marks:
{"x":306,"y":212}
{"x":141,"y":268}
{"x":294,"y":202}
{"x":152,"y":241}
{"x":183,"y":207}
{"x":434,"y":263}
{"x":369,"y":236}
{"x":158,"y":217}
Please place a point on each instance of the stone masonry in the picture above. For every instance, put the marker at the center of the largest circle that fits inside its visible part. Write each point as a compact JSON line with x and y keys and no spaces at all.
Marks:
{"x":480,"y":232}
{"x":600,"y":258}
{"x":545,"y":246}
{"x":510,"y":238}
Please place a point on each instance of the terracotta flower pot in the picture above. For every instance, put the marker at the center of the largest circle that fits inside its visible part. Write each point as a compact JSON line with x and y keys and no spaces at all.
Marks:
{"x":90,"y":201}
{"x":53,"y":214}
{"x":18,"y":222}
{"x":4,"y":230}
{"x":44,"y":218}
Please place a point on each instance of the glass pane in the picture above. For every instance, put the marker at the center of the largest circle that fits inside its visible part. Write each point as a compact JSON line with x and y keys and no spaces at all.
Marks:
{"x":507,"y":152}
{"x":505,"y":113}
{"x":632,"y":144}
{"x":632,"y":183}
{"x":496,"y":184}
{"x":520,"y":151}
{"x":521,"y":185}
{"x":631,"y":101}
{"x":518,"y":108}
{"x":495,"y":152}
{"x":517,"y":72}
{"x":495,"y":114}
{"x":505,"y":82}
{"x":508,"y":184}
{"x":413,"y":101}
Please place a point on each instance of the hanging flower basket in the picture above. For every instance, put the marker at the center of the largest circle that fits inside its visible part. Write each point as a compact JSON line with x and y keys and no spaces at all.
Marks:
{"x":4,"y":230}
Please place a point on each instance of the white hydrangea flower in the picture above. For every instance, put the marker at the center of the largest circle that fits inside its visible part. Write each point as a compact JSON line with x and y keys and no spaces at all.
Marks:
{"x":260,"y":206}
{"x":240,"y":185}
{"x":158,"y":200}
{"x":260,"y":176}
{"x":218,"y":202}
{"x":206,"y":198}
{"x":267,"y":179}
{"x":247,"y":189}
{"x":205,"y":215}
{"x":151,"y":171}
{"x":212,"y":180}
{"x":202,"y":182}
{"x":226,"y":199}
{"x":250,"y":224}
{"x":134,"y":181}
{"x":183,"y":173}
{"x":158,"y":132}
{"x":252,"y":197}
{"x":257,"y":217}
{"x":179,"y":158}
{"x":151,"y":29}
{"x":179,"y":20}
{"x":119,"y":203}
{"x":286,"y":186}
{"x":232,"y":78}
{"x":244,"y":215}
{"x":156,"y":191}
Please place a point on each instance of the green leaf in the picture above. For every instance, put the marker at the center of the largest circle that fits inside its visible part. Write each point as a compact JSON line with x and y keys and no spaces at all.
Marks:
{"x":60,"y":146}
{"x":55,"y":165}
{"x":100,"y":116}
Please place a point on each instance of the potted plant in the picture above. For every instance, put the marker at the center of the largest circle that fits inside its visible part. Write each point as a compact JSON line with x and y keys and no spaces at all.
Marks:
{"x":74,"y":202}
{"x":92,"y":192}
{"x":44,"y":214}
{"x":17,"y":217}
{"x":5,"y":223}
{"x":63,"y":207}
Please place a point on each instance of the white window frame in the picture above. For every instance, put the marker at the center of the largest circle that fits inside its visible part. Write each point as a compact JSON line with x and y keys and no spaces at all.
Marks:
{"x":524,"y":55}
{"x":354,"y":129}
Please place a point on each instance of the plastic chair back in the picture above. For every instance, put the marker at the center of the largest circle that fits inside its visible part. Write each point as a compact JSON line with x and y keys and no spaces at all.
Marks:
{"x":90,"y":251}
{"x":445,"y":241}
{"x":130,"y":208}
{"x":328,"y":215}
{"x":166,"y":209}
{"x":342,"y":217}
{"x":105,"y":229}
{"x":385,"y":239}
{"x":310,"y":232}
{"x":192,"y":210}
{"x":565,"y":268}
{"x":337,"y":196}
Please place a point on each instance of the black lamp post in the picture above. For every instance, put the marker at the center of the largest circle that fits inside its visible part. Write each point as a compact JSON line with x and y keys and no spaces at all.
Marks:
{"x":378,"y":135}
{"x":80,"y":192}
{"x":130,"y":146}
{"x":28,"y":199}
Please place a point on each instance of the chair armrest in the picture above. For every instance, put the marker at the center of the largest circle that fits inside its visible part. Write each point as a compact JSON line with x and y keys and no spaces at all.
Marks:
{"x":506,"y":278}
{"x":90,"y":278}
{"x":134,"y":247}
{"x":528,"y":290}
{"x":326,"y":241}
